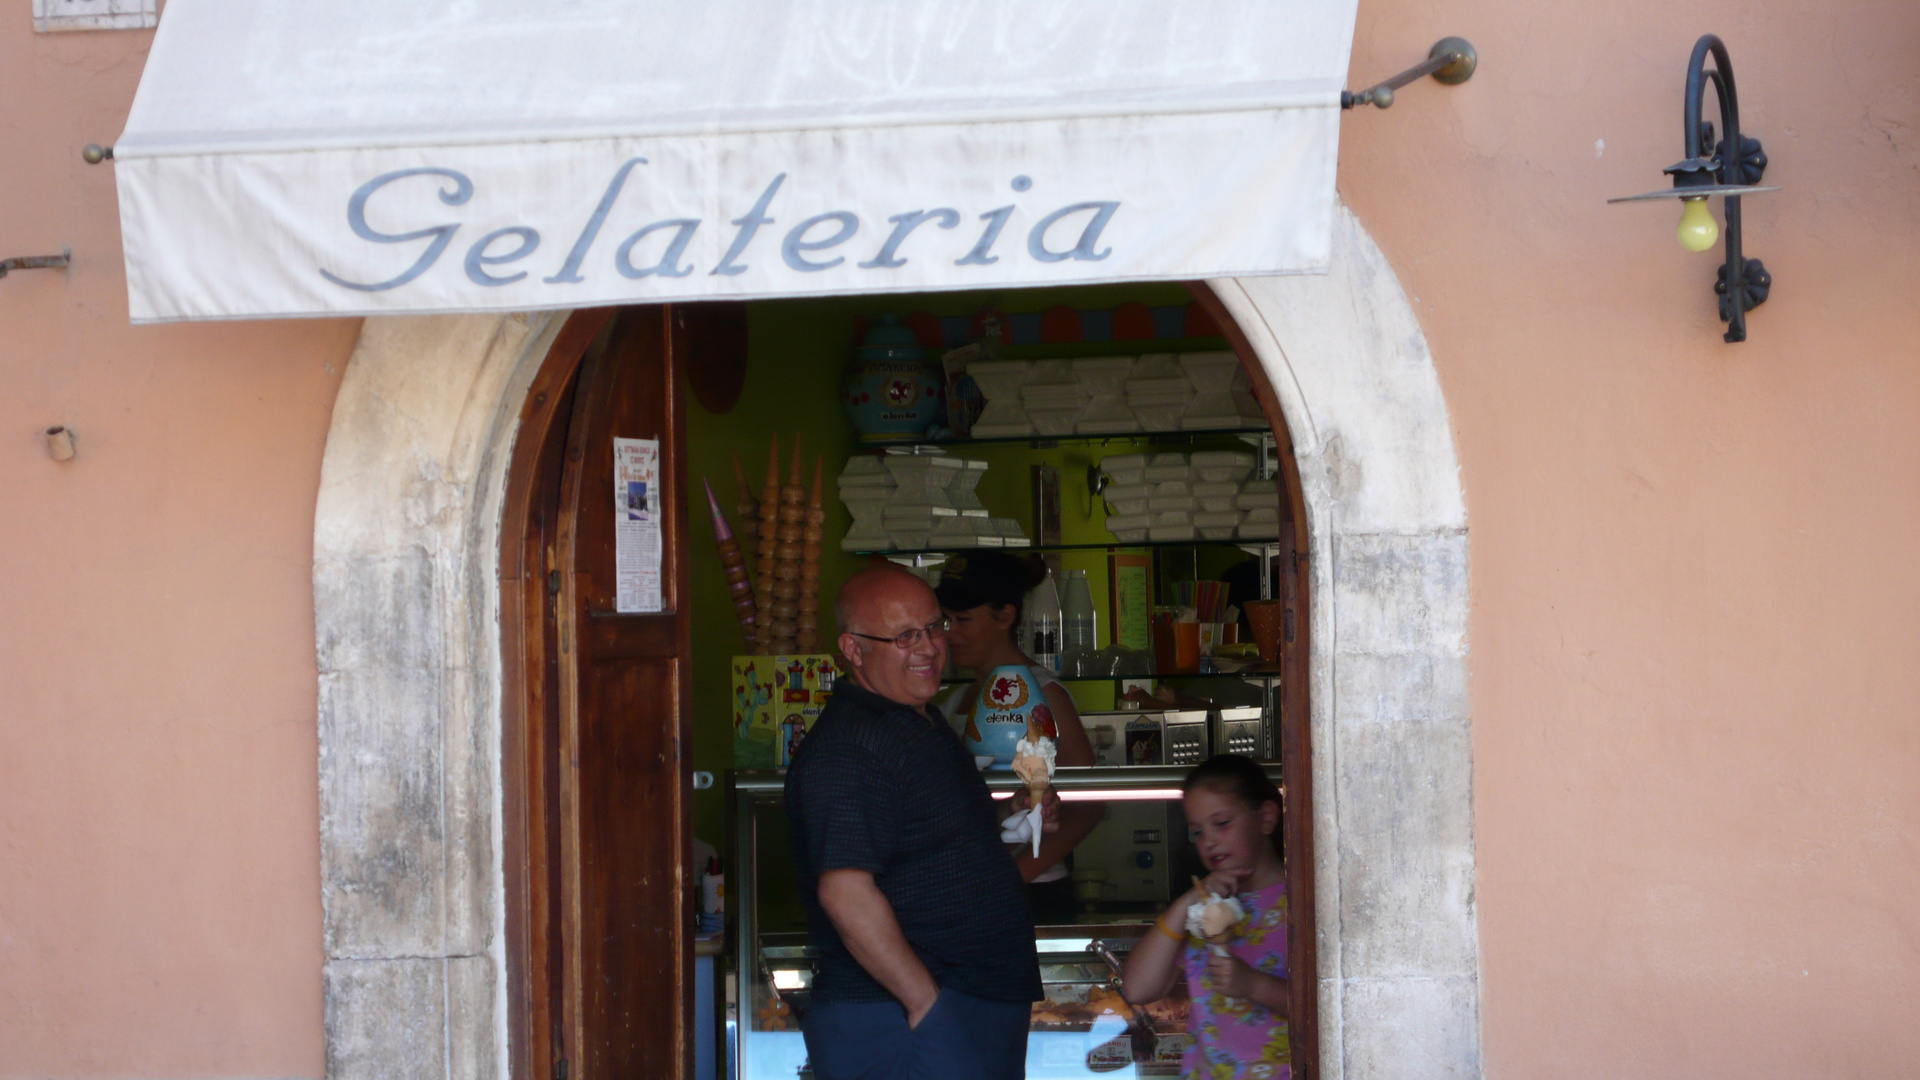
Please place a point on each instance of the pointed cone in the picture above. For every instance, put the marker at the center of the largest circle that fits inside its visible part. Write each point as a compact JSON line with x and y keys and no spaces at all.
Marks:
{"x":793,"y":473}
{"x":720,"y":527}
{"x":740,"y":479}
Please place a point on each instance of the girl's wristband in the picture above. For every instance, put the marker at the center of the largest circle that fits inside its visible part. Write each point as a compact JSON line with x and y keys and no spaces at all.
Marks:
{"x":1160,"y":924}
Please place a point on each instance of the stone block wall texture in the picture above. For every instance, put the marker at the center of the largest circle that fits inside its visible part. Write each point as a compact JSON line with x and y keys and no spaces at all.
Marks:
{"x":407,"y":625}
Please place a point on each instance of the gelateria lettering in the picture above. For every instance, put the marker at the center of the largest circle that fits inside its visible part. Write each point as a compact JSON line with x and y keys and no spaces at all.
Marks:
{"x":813,"y":244}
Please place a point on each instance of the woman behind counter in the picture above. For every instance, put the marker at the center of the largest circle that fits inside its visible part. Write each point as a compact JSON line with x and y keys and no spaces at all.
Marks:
{"x":982,"y":593}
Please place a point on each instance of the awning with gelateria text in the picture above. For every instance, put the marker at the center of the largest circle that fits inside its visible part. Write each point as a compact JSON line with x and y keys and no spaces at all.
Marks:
{"x":361,"y":157}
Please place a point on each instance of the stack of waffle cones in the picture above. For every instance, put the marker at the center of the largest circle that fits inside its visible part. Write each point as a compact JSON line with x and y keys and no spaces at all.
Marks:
{"x":807,"y":618}
{"x":784,"y":533}
{"x":789,"y":518}
{"x":734,"y":565}
{"x":766,"y":539}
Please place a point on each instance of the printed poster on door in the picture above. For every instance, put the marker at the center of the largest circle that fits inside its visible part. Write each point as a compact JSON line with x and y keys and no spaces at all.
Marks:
{"x":636,"y":530}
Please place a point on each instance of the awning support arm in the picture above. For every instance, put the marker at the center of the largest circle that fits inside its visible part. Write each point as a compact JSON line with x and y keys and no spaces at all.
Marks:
{"x":1451,"y":61}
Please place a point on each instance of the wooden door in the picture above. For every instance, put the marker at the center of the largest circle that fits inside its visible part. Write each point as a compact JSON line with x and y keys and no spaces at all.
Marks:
{"x":1295,"y":747}
{"x":596,"y":747}
{"x":624,"y":784}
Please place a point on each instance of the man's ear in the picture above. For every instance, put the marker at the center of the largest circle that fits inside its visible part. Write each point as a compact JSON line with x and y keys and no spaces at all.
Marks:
{"x":1269,"y":817}
{"x":851,"y":651}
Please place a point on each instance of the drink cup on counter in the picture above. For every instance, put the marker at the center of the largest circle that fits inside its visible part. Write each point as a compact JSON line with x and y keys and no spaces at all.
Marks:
{"x":1212,"y":635}
{"x":1186,"y":647}
{"x":1176,"y":641}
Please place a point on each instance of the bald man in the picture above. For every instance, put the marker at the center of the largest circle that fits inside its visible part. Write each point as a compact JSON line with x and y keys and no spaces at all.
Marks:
{"x":916,"y":909}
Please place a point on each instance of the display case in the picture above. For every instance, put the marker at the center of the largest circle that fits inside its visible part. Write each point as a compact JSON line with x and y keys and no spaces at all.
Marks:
{"x":1125,"y":873}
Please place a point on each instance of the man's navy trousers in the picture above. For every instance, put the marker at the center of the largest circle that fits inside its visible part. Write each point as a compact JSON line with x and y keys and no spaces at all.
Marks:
{"x":961,"y":1038}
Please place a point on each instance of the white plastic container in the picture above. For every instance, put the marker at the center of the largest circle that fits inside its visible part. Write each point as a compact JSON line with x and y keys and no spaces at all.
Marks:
{"x":1129,"y":498}
{"x":1106,"y":415}
{"x":1103,"y":376}
{"x":1054,"y":423}
{"x":1217,"y":525}
{"x":1080,"y":624}
{"x":1257,"y":496}
{"x":1129,"y":528}
{"x":1040,"y":624}
{"x":1221,"y":466}
{"x":1159,"y":373}
{"x":1124,"y":468}
{"x":1217,"y":496}
{"x":1165,"y":468}
{"x":1000,"y":381}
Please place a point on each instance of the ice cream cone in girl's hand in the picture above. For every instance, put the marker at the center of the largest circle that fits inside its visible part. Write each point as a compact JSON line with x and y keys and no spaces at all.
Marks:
{"x":1214,"y":918}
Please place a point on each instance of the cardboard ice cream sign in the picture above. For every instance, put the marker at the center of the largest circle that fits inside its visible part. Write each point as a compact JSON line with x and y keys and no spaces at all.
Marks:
{"x":1009,"y":697}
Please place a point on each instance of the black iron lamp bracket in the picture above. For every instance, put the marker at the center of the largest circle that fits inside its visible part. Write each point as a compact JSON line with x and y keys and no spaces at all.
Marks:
{"x":1451,"y":61}
{"x":1732,"y":169}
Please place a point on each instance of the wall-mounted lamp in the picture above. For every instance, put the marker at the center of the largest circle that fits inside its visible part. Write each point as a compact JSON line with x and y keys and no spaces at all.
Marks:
{"x":1733,"y":169}
{"x":60,"y":443}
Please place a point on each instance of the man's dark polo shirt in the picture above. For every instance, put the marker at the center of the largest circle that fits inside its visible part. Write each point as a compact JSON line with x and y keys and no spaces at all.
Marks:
{"x":876,"y":786}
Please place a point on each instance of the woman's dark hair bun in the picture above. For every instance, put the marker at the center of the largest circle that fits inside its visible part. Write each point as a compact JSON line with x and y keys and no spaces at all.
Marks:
{"x":1036,"y":571}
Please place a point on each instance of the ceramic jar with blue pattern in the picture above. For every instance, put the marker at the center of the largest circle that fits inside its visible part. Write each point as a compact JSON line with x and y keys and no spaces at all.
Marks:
{"x":893,"y":391}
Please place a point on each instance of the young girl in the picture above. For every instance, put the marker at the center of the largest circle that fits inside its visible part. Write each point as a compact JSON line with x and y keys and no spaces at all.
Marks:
{"x":1238,"y":1012}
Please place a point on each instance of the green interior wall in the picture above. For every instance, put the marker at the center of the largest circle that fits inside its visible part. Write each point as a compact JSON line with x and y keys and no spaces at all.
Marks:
{"x":796,"y":352}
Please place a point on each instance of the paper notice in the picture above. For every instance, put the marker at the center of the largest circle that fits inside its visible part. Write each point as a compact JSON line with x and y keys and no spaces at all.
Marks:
{"x":636,"y":530}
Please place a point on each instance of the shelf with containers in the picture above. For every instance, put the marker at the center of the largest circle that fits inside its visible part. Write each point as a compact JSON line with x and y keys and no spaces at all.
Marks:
{"x":1060,"y":497}
{"x":1125,"y":873}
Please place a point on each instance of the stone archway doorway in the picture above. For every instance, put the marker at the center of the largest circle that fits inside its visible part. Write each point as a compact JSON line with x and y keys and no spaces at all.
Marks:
{"x":408,"y":612}
{"x":589,"y":992}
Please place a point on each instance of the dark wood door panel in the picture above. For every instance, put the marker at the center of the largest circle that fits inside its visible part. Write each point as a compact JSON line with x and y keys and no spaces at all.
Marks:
{"x":623,"y":791}
{"x":632,"y":921}
{"x":633,"y":636}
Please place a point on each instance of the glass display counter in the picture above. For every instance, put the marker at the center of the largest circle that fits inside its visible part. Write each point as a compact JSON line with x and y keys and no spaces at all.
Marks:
{"x":1125,"y":873}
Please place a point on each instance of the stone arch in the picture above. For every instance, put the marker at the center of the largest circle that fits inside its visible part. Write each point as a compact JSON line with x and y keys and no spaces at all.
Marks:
{"x":406,"y":606}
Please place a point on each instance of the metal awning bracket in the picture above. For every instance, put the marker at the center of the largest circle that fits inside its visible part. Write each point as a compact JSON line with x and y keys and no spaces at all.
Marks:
{"x":1451,"y":61}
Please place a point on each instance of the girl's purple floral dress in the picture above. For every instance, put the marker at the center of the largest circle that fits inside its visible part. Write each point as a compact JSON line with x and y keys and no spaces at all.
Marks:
{"x":1233,"y":1038}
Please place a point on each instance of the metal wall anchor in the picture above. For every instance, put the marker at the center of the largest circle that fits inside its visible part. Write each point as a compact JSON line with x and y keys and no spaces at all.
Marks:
{"x":35,"y":262}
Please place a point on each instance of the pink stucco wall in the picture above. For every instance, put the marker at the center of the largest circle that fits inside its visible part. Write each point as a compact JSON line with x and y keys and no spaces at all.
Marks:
{"x":1696,"y":763}
{"x":1696,"y":759}
{"x":159,"y":877}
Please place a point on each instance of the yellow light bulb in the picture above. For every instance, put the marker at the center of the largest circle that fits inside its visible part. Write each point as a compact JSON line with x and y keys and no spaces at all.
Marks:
{"x":1698,"y":230}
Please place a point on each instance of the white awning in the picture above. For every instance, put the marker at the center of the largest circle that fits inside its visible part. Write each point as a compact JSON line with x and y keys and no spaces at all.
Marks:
{"x":368,"y":156}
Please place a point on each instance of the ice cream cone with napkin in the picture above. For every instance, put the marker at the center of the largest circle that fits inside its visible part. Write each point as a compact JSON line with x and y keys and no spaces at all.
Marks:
{"x":1033,"y":759}
{"x":1213,"y":918}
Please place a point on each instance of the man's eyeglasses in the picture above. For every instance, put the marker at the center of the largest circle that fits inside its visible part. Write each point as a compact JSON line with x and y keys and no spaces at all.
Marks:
{"x":907,"y":639}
